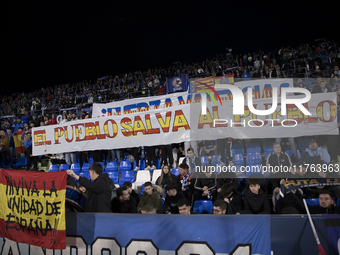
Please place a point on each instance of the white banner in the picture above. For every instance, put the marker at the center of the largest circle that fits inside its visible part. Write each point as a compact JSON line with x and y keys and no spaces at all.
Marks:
{"x":184,"y":123}
{"x":137,"y":105}
{"x":261,"y":89}
{"x":219,"y":122}
{"x":133,"y":130}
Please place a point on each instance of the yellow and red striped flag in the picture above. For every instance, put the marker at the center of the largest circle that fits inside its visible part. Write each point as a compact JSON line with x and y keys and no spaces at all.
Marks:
{"x":17,"y":138}
{"x":32,"y":207}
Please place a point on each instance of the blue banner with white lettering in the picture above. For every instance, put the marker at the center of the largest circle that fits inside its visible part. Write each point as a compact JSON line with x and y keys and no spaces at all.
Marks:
{"x":184,"y":234}
{"x":179,"y":83}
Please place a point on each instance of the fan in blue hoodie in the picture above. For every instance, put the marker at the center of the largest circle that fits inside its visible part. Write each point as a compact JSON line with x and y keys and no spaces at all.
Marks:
{"x":314,"y":152}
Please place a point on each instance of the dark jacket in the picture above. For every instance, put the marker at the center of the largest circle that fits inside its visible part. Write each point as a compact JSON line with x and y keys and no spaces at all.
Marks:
{"x":256,"y":203}
{"x":166,"y":180}
{"x":202,"y":180}
{"x":154,"y":199}
{"x":98,"y":193}
{"x":224,"y":178}
{"x":129,"y":206}
{"x":170,"y":203}
{"x":135,"y":196}
{"x":282,"y":160}
{"x":314,"y":209}
{"x":288,"y":201}
{"x":235,"y":203}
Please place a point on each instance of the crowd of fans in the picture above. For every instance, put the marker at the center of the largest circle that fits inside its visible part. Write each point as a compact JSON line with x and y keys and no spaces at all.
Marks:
{"x":321,"y":59}
{"x":22,"y":111}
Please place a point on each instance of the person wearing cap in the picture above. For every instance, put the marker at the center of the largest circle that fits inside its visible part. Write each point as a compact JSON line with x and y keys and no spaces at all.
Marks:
{"x":314,"y":152}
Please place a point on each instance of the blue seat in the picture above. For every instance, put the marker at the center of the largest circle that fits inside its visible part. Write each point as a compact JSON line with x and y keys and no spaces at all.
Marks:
{"x":85,"y":167}
{"x":203,"y":207}
{"x":63,"y":167}
{"x":175,"y":171}
{"x":127,"y":176}
{"x":13,"y":161}
{"x":204,"y":160}
{"x":22,"y":162}
{"x":253,"y":147}
{"x":338,"y":202}
{"x":125,"y":165}
{"x":75,"y":167}
{"x":237,"y":149}
{"x":303,"y":145}
{"x":112,"y":166}
{"x":313,"y":201}
{"x":141,"y":190}
{"x":268,"y":147}
{"x":114,"y":176}
{"x":215,"y":160}
{"x":238,"y":160}
{"x":84,"y":174}
{"x":266,"y":154}
{"x":254,"y":158}
{"x":289,"y":152}
{"x":53,"y":168}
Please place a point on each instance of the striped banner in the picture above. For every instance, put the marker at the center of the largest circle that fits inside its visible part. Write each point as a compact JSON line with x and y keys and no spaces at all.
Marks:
{"x":32,"y":207}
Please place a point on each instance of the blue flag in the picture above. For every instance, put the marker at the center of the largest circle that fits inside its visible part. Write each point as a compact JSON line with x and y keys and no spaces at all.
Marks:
{"x":179,"y":83}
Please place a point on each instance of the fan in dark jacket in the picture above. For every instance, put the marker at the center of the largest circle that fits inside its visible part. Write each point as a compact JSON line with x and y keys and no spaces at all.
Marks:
{"x":255,"y":200}
{"x":326,"y":205}
{"x":285,"y":204}
{"x":98,"y":190}
{"x":172,"y":197}
{"x":231,"y":198}
{"x":166,"y":176}
{"x":124,"y":203}
{"x":205,"y":187}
